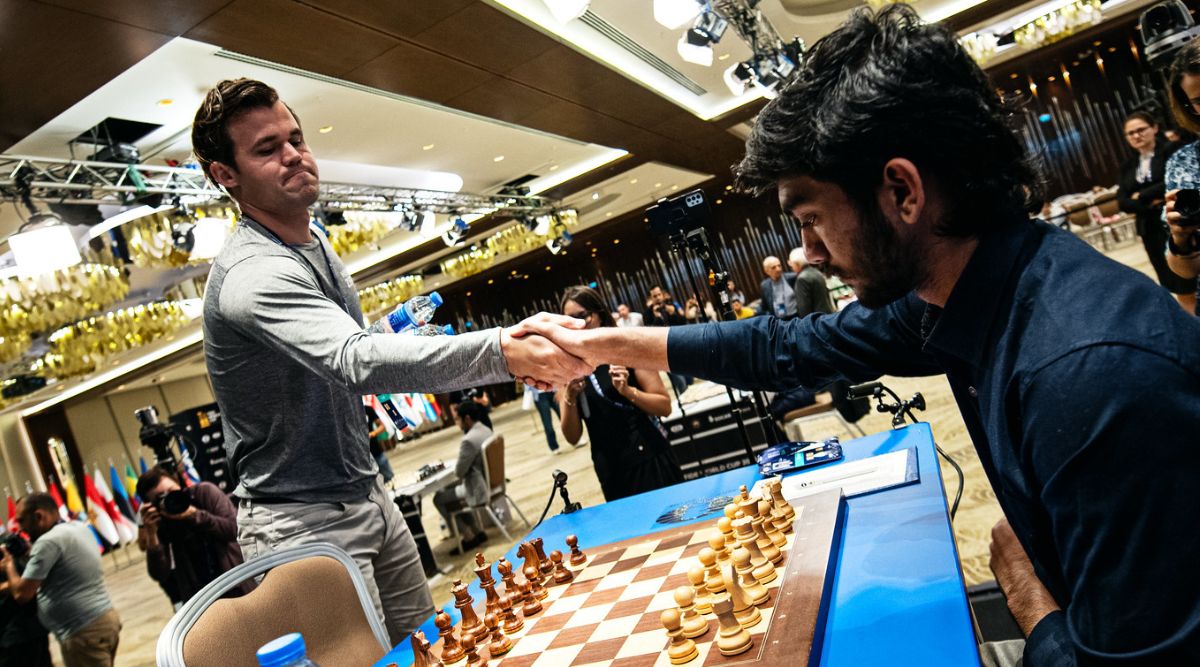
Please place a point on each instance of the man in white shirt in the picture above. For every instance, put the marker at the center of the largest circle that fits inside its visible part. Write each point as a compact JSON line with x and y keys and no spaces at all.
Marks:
{"x":627,"y":318}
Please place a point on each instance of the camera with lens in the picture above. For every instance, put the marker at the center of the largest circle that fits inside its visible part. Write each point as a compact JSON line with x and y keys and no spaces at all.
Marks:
{"x":173,"y":502}
{"x":1187,"y":204}
{"x":156,"y":435}
{"x":16,"y":545}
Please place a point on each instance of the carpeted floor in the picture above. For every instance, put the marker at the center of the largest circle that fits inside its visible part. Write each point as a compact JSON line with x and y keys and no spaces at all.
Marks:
{"x":144,"y":609}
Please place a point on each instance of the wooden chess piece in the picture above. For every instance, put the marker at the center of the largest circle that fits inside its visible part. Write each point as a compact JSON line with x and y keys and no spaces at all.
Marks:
{"x":756,"y":593}
{"x":508,"y":615}
{"x":682,"y":649}
{"x":511,"y":588}
{"x":765,"y":544}
{"x":468,"y":646}
{"x":532,"y":604}
{"x":544,"y":564}
{"x":499,"y":644}
{"x":769,"y":524}
{"x":712,"y":573}
{"x":471,"y":625}
{"x":577,"y":556}
{"x":534,"y":588}
{"x":725,"y":525}
{"x":743,"y":494}
{"x":487,"y":583}
{"x":717,"y":543}
{"x":703,"y":600}
{"x":785,"y":508}
{"x":561,"y":574}
{"x":452,"y":651}
{"x":529,"y":567}
{"x":694,"y":624}
{"x":764,"y":571}
{"x":746,"y":613}
{"x":732,"y":638}
{"x":731,"y":511}
{"x":422,"y":655}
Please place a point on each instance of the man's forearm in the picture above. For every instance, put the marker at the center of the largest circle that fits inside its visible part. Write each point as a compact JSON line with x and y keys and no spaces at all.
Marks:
{"x":643,"y":348}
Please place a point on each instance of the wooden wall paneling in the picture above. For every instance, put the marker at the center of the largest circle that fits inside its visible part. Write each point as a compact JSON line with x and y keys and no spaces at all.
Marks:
{"x":409,"y":69}
{"x":486,"y":36}
{"x":169,"y":17}
{"x":400,"y":18}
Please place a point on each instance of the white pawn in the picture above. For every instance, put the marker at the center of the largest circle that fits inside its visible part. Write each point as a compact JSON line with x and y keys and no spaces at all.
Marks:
{"x":703,"y":601}
{"x":694,"y":624}
{"x":682,"y":649}
{"x":769,"y":524}
{"x":717,"y":542}
{"x":712,"y":571}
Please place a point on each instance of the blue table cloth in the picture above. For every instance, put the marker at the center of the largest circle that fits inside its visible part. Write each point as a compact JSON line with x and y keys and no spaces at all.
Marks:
{"x":898,"y":594}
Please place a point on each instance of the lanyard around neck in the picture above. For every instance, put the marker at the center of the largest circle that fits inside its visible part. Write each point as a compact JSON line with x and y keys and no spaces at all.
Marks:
{"x":337,"y":291}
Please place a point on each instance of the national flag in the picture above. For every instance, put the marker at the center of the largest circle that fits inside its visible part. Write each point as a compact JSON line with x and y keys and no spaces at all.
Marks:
{"x":13,"y":526}
{"x":431,"y":409}
{"x":62,"y":508}
{"x":74,"y":504}
{"x":131,"y":487}
{"x":120,"y":496}
{"x":98,"y":515}
{"x":191,"y":477}
{"x":125,"y":528}
{"x":142,"y":462}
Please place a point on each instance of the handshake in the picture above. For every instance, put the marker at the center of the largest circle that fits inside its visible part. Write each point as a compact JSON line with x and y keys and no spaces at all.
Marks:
{"x":547,"y":351}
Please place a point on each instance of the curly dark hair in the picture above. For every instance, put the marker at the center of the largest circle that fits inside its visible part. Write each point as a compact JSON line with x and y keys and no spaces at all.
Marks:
{"x":886,"y":85}
{"x":223,"y":103}
{"x":1187,"y":61}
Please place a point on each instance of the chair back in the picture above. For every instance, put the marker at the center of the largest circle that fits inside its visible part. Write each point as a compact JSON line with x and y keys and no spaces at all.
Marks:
{"x":304,"y":590}
{"x":493,"y":457}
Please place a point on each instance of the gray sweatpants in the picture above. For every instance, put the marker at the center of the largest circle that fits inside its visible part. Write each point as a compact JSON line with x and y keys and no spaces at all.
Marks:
{"x":372,"y":531}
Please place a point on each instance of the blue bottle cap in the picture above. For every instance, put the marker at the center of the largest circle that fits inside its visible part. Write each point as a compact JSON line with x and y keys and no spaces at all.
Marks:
{"x":448,"y":330}
{"x":281,"y":651}
{"x":435,"y":299}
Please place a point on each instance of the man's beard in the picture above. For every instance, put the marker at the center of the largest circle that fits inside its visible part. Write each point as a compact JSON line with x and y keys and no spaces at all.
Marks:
{"x":886,"y":264}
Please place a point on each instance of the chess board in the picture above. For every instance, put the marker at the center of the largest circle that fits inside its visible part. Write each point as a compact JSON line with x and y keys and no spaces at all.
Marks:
{"x":610,"y":613}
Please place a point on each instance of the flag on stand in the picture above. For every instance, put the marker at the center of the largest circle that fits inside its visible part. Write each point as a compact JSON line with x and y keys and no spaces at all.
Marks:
{"x":131,"y":487}
{"x":98,"y":515}
{"x":74,"y":504}
{"x":54,"y":493}
{"x":142,"y":462}
{"x":120,"y":496}
{"x":125,"y":528}
{"x":12,"y":525}
{"x":190,"y":476}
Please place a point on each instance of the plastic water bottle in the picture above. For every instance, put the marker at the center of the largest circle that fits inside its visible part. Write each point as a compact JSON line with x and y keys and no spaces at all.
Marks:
{"x":287,"y":651}
{"x":433,"y":330}
{"x":415,"y":312}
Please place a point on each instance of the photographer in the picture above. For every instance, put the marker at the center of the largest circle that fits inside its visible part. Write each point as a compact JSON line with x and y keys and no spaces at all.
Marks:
{"x":64,"y":573}
{"x":23,"y":640}
{"x":1182,"y":213}
{"x":190,"y":534}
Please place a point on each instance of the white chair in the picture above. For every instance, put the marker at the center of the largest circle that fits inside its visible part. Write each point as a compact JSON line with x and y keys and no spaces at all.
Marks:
{"x":314,"y":589}
{"x":493,"y":473}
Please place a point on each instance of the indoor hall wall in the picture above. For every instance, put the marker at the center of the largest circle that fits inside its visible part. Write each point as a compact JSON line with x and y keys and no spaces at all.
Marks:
{"x":15,"y":464}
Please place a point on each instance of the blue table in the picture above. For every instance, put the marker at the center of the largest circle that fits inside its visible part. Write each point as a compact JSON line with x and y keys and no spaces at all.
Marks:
{"x":898,"y":592}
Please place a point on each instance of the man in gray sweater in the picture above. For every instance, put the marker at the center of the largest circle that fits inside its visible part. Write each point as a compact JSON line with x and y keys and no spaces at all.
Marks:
{"x":290,"y":361}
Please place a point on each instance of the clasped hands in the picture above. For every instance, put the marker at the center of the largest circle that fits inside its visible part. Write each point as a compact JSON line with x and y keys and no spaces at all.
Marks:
{"x":546,"y":351}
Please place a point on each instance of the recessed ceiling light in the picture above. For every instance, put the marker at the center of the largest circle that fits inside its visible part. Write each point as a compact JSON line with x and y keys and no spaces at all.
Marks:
{"x":120,"y":387}
{"x":633,"y":181}
{"x":547,"y":267}
{"x":674,"y":187}
{"x":595,"y":196}
{"x":658,"y":185}
{"x":326,"y":129}
{"x":728,"y":187}
{"x":427,"y":147}
{"x":608,"y":215}
{"x":553,"y":167}
{"x":616,"y":241}
{"x":723,"y":56}
{"x":498,"y":158}
{"x":514,"y":272}
{"x":468,"y":294}
{"x":165,"y":102}
{"x":718,"y":201}
{"x":490,"y":281}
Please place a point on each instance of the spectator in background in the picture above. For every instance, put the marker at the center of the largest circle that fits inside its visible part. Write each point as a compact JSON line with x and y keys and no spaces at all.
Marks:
{"x":187,"y":550}
{"x":1142,"y":192}
{"x":64,"y":573}
{"x":1183,"y":169}
{"x":693,"y":313}
{"x":628,"y":318}
{"x":545,"y":402}
{"x":663,"y":311}
{"x":740,"y":311}
{"x":23,"y":640}
{"x":472,"y":488}
{"x":778,"y":297}
{"x":812,"y":294}
{"x":731,"y":289}
{"x":621,"y":407}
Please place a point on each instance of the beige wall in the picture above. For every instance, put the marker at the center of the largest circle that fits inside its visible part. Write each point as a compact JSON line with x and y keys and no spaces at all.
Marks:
{"x":16,"y":463}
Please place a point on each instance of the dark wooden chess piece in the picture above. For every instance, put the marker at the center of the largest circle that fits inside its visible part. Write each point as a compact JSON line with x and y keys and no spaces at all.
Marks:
{"x":487,"y":583}
{"x":544,"y":564}
{"x":508,"y":615}
{"x":452,"y":652}
{"x":471,"y":625}
{"x":577,"y":556}
{"x":532,"y":604}
{"x":530,"y":567}
{"x":422,"y":656}
{"x":499,"y":644}
{"x":561,"y":574}
{"x":511,"y":588}
{"x":473,"y":657}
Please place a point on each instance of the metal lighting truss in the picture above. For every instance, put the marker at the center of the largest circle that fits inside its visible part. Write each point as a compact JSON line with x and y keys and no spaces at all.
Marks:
{"x":83,"y":182}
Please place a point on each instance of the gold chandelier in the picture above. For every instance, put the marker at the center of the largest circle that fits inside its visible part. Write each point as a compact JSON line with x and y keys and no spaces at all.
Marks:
{"x":1058,"y":24}
{"x":34,"y":304}
{"x":511,"y":240}
{"x":388,"y":295}
{"x":81,"y":347}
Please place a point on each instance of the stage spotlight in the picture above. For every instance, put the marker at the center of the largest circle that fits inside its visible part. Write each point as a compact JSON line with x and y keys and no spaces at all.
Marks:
{"x":530,"y":223}
{"x":428,"y":223}
{"x":673,"y":14}
{"x":43,"y":244}
{"x":738,"y":77}
{"x":695,"y":48}
{"x":559,"y":243}
{"x":543,"y":225}
{"x":457,"y":232}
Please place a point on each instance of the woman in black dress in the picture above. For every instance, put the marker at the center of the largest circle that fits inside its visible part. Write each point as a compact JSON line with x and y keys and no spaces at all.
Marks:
{"x":620,"y":407}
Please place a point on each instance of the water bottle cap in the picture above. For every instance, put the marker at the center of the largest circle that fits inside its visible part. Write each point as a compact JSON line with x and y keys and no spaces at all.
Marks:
{"x":448,"y":330}
{"x":281,"y":651}
{"x":435,"y":299}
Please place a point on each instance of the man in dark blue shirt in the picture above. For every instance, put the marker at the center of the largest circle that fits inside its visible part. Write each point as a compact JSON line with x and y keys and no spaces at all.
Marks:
{"x":1078,"y":378}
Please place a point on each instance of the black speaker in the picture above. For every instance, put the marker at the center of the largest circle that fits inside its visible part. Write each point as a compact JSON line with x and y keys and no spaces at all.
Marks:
{"x":996,"y":622}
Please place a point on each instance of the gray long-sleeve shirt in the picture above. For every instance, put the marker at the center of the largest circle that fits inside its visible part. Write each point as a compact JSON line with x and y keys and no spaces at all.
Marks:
{"x":290,"y":361}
